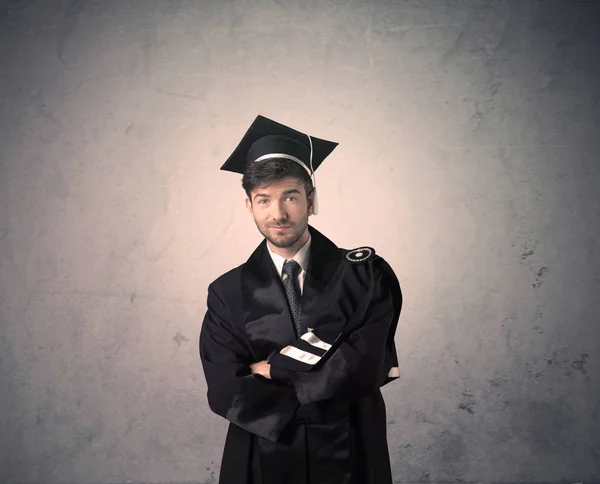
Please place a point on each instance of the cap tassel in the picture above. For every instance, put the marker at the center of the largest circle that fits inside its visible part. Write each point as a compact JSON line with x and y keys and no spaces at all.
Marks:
{"x":315,"y":201}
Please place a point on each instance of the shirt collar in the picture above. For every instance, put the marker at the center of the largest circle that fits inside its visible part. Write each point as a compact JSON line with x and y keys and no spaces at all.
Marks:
{"x":301,"y":257}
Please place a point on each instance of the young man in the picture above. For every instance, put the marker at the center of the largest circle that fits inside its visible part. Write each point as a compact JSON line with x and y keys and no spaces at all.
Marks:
{"x":297,"y":341}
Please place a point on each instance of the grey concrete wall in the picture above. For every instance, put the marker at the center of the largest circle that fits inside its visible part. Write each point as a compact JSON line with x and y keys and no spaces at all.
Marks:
{"x":469,"y":157}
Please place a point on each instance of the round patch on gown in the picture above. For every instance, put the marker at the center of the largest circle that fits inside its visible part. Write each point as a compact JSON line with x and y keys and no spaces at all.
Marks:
{"x":360,"y":255}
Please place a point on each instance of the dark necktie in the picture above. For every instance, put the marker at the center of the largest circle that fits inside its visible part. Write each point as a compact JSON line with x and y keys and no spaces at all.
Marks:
{"x":292,"y":291}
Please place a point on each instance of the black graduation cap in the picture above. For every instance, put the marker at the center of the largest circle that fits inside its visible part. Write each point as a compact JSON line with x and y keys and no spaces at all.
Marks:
{"x":267,"y":139}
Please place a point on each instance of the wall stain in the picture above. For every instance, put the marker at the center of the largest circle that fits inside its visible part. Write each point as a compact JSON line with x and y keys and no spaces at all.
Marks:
{"x":179,"y":338}
{"x":544,"y":424}
{"x":130,"y":424}
{"x":579,"y":364}
{"x":41,"y":106}
{"x":538,"y":277}
{"x":454,"y":452}
{"x":108,"y":294}
{"x":52,"y":129}
{"x":68,"y":25}
{"x":536,"y":375}
{"x":527,"y":251}
{"x":526,"y":254}
{"x":555,"y":364}
{"x":468,"y":403}
{"x":179,"y":94}
{"x":211,"y":479}
{"x":497,"y":382}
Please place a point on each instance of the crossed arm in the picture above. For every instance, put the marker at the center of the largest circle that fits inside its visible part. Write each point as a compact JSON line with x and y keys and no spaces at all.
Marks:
{"x":263,"y":397}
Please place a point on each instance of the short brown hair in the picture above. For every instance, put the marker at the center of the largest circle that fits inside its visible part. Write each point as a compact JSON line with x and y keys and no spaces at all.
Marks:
{"x":267,"y":172}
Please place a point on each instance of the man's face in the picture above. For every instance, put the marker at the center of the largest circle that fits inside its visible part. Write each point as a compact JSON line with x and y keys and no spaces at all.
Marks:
{"x":281,"y":211}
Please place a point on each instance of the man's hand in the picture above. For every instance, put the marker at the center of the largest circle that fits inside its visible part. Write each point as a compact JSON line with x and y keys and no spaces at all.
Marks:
{"x":261,"y":368}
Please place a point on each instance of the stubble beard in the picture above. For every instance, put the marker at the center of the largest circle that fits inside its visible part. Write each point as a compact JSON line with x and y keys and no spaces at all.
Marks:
{"x":284,"y":241}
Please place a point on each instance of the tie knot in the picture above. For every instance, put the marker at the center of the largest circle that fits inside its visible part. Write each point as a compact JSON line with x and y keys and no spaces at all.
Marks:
{"x":291,"y":268}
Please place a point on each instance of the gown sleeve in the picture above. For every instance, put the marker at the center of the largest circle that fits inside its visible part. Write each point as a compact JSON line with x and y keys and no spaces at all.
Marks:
{"x":261,"y":406}
{"x":324,"y":364}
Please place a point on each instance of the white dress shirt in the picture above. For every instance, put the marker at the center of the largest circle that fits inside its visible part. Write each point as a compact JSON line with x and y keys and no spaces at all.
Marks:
{"x":301,"y":258}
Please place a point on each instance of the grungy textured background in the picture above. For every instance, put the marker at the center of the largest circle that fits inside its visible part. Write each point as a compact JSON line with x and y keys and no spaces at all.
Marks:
{"x":469,"y":158}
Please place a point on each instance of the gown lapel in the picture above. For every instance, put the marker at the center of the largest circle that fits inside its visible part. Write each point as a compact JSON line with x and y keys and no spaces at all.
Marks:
{"x":324,"y":261}
{"x":269,"y":323}
{"x":266,"y":310}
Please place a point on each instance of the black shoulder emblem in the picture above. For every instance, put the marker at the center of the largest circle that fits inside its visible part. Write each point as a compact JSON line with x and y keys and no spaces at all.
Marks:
{"x":361,"y":254}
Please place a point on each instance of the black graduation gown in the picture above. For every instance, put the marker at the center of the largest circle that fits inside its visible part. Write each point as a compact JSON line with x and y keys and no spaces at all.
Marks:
{"x":321,"y":418}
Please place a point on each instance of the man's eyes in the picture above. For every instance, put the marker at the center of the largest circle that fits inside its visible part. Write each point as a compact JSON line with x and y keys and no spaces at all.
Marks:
{"x":286,"y":198}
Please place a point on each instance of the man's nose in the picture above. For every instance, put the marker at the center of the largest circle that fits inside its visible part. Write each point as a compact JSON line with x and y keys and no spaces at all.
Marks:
{"x":279,"y":211}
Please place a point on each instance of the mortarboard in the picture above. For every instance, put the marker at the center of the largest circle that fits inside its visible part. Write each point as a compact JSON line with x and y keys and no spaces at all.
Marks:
{"x":267,"y":139}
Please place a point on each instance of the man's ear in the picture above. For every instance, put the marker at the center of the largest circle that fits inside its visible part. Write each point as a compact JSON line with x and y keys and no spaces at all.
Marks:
{"x":249,"y":206}
{"x":310,"y":204}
